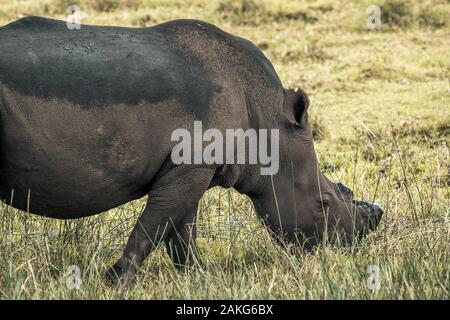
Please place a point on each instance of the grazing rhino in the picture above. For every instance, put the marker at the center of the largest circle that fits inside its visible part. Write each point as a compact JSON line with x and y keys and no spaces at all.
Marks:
{"x":87,"y":118}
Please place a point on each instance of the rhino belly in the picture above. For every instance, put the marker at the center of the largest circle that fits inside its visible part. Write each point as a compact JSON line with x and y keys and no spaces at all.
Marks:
{"x":63,"y":161}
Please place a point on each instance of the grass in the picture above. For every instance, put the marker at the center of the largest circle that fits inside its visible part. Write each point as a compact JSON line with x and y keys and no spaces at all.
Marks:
{"x":380,"y":110}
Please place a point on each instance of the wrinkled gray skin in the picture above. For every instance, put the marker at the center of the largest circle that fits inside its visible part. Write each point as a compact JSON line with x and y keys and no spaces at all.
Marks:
{"x":87,"y":116}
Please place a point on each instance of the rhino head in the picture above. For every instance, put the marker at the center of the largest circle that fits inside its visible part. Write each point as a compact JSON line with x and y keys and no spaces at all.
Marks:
{"x":299,"y":203}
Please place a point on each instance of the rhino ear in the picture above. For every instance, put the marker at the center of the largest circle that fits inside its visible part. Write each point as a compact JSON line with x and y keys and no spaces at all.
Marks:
{"x":295,"y":106}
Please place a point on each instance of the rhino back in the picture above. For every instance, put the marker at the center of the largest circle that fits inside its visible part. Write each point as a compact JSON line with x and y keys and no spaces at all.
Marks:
{"x":246,"y":78}
{"x":98,"y":66}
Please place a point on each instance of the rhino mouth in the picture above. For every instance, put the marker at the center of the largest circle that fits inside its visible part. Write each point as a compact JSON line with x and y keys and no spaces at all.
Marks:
{"x":371,"y":214}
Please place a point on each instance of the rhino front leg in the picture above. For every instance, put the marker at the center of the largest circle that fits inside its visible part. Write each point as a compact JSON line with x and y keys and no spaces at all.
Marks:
{"x":180,"y":243}
{"x":172,"y":199}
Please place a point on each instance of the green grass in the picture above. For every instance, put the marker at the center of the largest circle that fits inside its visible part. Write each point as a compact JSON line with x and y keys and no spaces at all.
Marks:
{"x":380,"y":108}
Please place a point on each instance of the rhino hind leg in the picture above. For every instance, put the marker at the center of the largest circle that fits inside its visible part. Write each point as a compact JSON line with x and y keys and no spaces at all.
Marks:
{"x":173,"y":201}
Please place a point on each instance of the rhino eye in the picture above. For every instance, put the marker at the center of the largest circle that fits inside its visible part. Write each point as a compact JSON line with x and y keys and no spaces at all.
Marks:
{"x":324,"y":202}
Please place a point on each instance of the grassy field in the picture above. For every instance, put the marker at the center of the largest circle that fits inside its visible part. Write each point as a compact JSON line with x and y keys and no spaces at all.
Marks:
{"x":380,"y":106}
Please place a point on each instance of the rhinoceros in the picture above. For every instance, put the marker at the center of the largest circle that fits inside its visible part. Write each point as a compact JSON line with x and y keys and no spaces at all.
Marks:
{"x":87,"y":117}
